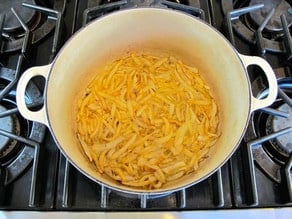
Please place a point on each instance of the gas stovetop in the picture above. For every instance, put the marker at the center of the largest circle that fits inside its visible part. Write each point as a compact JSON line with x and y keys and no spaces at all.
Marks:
{"x":34,"y":175}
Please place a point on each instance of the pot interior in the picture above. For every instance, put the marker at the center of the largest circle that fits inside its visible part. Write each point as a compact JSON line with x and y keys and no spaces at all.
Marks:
{"x":161,"y":31}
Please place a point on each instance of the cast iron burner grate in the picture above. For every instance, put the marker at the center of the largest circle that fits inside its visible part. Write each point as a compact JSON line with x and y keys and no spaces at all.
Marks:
{"x":269,"y":137}
{"x":266,"y":23}
{"x":38,"y":17}
{"x":19,"y":138}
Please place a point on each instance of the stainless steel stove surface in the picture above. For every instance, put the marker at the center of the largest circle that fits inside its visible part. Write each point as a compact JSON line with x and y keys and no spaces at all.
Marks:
{"x":35,"y":176}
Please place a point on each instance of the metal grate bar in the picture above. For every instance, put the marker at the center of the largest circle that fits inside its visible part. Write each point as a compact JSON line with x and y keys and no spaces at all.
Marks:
{"x":2,"y":20}
{"x":261,"y":140}
{"x":285,"y":97}
{"x":251,"y":180}
{"x":65,"y":197}
{"x":143,"y":201}
{"x":32,"y":195}
{"x":189,"y":9}
{"x":259,"y":36}
{"x":99,"y":10}
{"x":281,"y":94}
{"x":182,"y":198}
{"x":274,"y":112}
{"x":74,"y":21}
{"x":235,"y":182}
{"x":15,"y":110}
{"x":36,"y":146}
{"x":287,"y":37}
{"x":104,"y":197}
{"x":53,"y":15}
{"x":218,"y":187}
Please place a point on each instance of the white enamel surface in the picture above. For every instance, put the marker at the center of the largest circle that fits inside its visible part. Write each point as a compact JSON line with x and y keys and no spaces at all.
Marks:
{"x":270,"y":76}
{"x":156,"y":31}
{"x":39,"y":116}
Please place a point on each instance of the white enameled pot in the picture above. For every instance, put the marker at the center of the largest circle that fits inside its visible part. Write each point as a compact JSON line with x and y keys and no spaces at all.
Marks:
{"x":153,"y":30}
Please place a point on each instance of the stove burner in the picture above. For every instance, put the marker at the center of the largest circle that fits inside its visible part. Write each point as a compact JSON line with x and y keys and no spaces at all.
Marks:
{"x":9,"y":124}
{"x":15,"y":156}
{"x":275,"y":119}
{"x":11,"y":23}
{"x":270,"y":131}
{"x":39,"y":17}
{"x":262,"y":22}
{"x":278,"y":124}
{"x":274,"y":24}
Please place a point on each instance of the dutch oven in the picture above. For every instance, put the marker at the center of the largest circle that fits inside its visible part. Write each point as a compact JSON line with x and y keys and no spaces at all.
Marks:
{"x":150,"y":30}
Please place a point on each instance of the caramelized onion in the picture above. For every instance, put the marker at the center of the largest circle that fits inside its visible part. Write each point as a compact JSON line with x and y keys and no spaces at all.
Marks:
{"x":146,"y":120}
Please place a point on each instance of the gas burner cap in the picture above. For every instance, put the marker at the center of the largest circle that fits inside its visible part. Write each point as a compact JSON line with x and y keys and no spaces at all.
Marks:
{"x":274,"y":24}
{"x":9,"y":124}
{"x":11,"y":23}
{"x":279,"y":123}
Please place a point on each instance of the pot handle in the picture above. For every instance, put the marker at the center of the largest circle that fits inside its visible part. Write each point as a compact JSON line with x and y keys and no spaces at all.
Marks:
{"x":271,"y":78}
{"x":40,"y":115}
